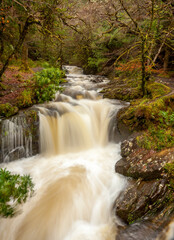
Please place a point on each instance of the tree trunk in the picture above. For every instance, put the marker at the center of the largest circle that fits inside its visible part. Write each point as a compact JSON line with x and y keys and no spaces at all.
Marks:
{"x":143,"y":67}
{"x":25,"y":66}
{"x":1,"y":47}
{"x":166,"y":59}
{"x":29,"y":21}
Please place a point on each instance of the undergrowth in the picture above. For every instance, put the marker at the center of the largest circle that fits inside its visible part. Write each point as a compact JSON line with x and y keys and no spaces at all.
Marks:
{"x":14,"y":190}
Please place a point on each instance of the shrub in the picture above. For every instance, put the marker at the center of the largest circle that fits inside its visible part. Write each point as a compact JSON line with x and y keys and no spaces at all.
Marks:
{"x":47,"y":83}
{"x":14,"y":189}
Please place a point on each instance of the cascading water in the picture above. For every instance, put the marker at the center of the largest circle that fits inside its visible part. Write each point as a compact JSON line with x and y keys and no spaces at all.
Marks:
{"x":74,"y":177}
{"x":15,"y":142}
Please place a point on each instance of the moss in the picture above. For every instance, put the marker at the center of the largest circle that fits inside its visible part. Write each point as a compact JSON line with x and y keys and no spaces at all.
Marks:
{"x":156,"y":138}
{"x":169,"y":168}
{"x":7,"y":110}
{"x":25,"y":99}
{"x":131,"y":218}
{"x":155,"y":90}
{"x":3,"y":86}
{"x":125,"y":94}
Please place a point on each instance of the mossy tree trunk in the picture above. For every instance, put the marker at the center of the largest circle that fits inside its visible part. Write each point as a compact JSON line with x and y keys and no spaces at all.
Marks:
{"x":143,"y":66}
{"x":1,"y":45}
{"x":29,"y":21}
{"x":25,"y":66}
{"x":166,"y":59}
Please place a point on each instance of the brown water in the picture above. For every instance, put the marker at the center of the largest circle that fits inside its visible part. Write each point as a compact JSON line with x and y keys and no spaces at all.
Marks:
{"x":74,"y":177}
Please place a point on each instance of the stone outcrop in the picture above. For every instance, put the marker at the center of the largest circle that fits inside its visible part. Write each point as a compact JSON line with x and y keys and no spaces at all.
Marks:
{"x":141,"y":163}
{"x":148,"y":197}
{"x":19,"y":136}
{"x":142,"y":198}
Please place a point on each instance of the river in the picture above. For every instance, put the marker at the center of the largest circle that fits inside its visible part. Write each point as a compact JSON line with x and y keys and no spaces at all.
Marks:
{"x":74,"y":177}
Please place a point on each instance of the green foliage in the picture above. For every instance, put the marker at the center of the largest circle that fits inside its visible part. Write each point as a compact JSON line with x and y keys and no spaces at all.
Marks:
{"x":157,"y":138}
{"x":7,"y":110}
{"x":155,"y":117}
{"x":14,"y":190}
{"x":160,"y":134}
{"x":166,"y":118}
{"x":25,"y":99}
{"x":47,"y":83}
{"x":169,"y":167}
{"x":95,"y":63}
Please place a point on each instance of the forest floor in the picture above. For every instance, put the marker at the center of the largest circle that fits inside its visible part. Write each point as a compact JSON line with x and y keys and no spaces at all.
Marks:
{"x":14,"y":83}
{"x":166,"y":81}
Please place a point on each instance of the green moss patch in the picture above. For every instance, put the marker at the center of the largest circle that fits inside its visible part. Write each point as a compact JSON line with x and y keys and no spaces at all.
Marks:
{"x":169,"y":167}
{"x":26,"y":99}
{"x":155,"y":117}
{"x":123,"y":89}
{"x":156,"y":90}
{"x":7,"y":110}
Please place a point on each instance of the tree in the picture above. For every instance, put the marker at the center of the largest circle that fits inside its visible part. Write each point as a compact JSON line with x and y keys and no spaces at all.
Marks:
{"x":146,"y":21}
{"x":46,"y":16}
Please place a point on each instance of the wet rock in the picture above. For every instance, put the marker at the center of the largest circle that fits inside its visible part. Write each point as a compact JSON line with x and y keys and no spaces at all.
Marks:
{"x":141,"y":163}
{"x":19,"y":136}
{"x":154,"y":228}
{"x":138,"y":231}
{"x":127,"y":147}
{"x":142,"y":199}
{"x":147,"y":203}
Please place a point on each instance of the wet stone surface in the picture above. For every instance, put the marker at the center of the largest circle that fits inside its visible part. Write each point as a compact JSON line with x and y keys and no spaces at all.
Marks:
{"x":19,"y":136}
{"x":141,"y":163}
{"x":147,"y":196}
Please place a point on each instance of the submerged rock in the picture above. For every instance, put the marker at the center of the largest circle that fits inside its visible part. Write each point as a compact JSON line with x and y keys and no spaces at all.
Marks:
{"x":19,"y":136}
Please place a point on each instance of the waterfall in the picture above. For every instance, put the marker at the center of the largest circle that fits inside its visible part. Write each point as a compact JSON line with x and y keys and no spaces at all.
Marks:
{"x":74,"y":177}
{"x":78,"y":127}
{"x":15,"y":143}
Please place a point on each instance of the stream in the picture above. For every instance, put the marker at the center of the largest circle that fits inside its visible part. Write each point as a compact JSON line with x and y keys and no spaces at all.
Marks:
{"x":74,"y":176}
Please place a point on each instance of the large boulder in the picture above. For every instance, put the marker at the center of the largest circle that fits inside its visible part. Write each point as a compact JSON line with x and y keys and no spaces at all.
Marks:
{"x":142,"y":199}
{"x":141,"y":163}
{"x":148,"y":199}
{"x":19,"y":136}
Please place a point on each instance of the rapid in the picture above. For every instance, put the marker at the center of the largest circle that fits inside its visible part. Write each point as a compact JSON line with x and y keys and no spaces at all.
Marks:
{"x":74,"y":177}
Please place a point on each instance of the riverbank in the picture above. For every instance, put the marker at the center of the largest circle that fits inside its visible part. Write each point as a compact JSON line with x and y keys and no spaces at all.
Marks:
{"x":147,"y":204}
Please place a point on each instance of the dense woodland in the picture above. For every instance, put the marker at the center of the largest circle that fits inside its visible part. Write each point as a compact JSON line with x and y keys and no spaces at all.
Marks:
{"x":131,"y":41}
{"x":97,"y":35}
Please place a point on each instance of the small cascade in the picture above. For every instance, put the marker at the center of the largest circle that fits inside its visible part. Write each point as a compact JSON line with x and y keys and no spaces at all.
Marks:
{"x":16,"y":143}
{"x":19,"y":137}
{"x":67,"y":127}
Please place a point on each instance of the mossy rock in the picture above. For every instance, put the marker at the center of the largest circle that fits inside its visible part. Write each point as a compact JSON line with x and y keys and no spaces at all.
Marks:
{"x":144,"y":112}
{"x":7,"y":110}
{"x":124,"y":94}
{"x":156,"y":90}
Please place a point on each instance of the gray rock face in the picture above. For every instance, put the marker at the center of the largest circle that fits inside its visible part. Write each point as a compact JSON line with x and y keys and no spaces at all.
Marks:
{"x":141,"y":163}
{"x":19,"y":136}
{"x":147,"y":198}
{"x":141,"y":198}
